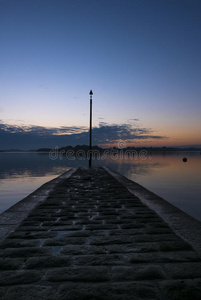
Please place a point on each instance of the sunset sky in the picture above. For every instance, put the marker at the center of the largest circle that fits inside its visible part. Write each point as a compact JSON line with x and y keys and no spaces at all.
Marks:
{"x":141,"y":58}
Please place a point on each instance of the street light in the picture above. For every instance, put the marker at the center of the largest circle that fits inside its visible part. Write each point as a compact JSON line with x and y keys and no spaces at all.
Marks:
{"x":90,"y":130}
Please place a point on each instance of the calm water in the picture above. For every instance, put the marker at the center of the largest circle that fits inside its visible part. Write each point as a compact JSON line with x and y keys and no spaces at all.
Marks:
{"x":165,"y":174}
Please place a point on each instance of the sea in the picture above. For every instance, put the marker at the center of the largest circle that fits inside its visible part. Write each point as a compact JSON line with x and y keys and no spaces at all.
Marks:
{"x":174,"y":175}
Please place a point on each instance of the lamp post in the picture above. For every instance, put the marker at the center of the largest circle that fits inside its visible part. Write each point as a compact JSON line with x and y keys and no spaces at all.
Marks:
{"x":90,"y":129}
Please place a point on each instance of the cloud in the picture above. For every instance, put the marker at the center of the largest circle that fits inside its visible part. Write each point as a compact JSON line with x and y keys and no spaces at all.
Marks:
{"x":136,"y":120}
{"x":40,"y":130}
{"x":103,"y":124}
{"x":109,"y":134}
{"x":43,"y":86}
{"x":33,"y":137}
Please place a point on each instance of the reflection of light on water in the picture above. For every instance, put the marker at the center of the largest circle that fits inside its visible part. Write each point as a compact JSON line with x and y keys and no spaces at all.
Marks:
{"x":14,"y":173}
{"x":16,"y":186}
{"x":163,"y":173}
{"x":169,"y":177}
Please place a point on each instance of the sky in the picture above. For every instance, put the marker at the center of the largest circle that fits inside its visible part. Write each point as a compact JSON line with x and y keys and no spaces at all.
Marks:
{"x":141,"y":58}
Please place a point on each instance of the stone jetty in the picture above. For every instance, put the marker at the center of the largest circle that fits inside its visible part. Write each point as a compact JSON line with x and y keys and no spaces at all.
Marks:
{"x":93,"y":234}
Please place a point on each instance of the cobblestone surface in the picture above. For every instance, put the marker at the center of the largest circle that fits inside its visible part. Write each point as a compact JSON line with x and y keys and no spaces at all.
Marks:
{"x":93,"y":239}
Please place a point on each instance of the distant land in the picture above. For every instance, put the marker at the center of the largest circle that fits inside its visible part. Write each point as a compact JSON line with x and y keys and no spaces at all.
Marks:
{"x":85,"y":148}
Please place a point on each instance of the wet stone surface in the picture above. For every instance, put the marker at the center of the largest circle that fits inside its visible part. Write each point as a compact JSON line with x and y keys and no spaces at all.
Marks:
{"x":93,"y":239}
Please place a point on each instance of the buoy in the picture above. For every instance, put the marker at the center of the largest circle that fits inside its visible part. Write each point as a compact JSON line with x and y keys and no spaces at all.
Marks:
{"x":184,"y":159}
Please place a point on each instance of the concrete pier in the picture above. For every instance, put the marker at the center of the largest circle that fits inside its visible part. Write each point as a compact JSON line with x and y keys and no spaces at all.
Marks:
{"x":93,"y":234}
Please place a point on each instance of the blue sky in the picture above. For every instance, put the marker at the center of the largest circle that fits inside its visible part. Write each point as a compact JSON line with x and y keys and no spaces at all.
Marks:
{"x":141,"y":58}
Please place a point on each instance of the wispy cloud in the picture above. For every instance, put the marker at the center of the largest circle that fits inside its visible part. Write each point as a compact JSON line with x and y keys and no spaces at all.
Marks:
{"x":136,"y":120}
{"x":33,"y":137}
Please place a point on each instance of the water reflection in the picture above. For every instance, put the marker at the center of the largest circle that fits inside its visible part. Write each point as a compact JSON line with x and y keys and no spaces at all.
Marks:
{"x":22,"y":173}
{"x":163,"y":173}
{"x":28,"y":164}
{"x":169,"y":177}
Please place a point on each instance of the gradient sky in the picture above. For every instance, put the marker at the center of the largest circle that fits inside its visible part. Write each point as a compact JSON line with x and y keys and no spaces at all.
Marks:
{"x":141,"y":58}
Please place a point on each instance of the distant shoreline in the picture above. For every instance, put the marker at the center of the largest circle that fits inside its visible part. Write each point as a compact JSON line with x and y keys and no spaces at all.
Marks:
{"x":100,"y":149}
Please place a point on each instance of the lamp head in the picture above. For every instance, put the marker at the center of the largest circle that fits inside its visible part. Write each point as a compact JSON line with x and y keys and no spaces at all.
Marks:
{"x":91,"y":93}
